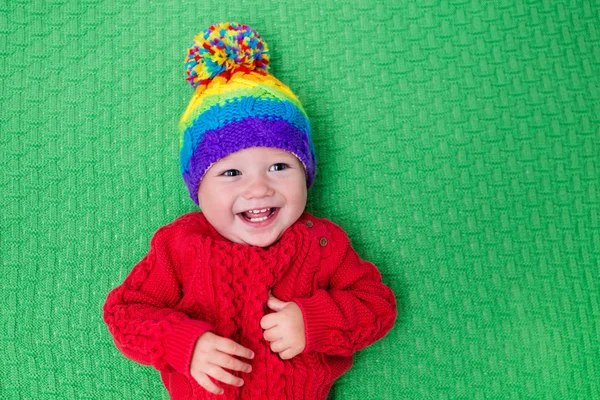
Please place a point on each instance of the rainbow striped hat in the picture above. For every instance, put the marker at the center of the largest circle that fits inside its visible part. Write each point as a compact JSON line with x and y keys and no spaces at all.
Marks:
{"x":237,"y":104}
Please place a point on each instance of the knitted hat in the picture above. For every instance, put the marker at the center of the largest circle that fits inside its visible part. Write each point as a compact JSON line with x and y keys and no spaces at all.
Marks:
{"x":237,"y":104}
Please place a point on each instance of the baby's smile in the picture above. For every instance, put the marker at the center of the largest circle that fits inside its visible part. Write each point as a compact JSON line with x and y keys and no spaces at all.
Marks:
{"x":259,"y":215}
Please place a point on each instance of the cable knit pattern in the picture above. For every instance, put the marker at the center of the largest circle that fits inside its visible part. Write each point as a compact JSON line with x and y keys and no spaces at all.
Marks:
{"x":193,"y":280}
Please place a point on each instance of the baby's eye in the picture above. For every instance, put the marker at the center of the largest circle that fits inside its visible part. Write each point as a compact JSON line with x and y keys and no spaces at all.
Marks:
{"x":278,"y":167}
{"x":232,"y":172}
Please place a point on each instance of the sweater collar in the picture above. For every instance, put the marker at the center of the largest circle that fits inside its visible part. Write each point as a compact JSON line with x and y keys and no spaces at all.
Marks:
{"x":289,"y":236}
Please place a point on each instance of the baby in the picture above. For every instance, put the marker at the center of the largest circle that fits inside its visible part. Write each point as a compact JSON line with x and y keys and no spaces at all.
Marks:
{"x":252,"y":298}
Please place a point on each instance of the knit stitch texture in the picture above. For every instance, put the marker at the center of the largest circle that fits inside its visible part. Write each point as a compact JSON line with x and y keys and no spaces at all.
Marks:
{"x":193,"y":280}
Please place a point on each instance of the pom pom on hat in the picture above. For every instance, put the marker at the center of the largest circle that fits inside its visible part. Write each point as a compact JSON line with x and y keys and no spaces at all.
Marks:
{"x":222,"y":48}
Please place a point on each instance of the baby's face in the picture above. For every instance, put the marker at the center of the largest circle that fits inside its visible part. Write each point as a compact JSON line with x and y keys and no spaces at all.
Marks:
{"x":252,"y":196}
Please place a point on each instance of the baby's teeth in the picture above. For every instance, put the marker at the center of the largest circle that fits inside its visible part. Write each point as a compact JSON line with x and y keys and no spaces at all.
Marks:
{"x":259,"y":211}
{"x":258,"y":219}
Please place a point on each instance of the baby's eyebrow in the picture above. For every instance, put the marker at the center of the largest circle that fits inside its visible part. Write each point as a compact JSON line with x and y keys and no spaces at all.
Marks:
{"x":285,"y":157}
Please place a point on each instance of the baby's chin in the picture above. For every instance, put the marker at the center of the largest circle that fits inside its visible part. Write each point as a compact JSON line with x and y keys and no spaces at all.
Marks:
{"x":261,"y":240}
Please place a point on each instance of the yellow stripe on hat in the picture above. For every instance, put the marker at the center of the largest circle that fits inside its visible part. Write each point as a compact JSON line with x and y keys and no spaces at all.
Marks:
{"x":238,"y":82}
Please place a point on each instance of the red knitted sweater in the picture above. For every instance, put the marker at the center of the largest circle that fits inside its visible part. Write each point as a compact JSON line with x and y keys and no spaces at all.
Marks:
{"x":193,"y":280}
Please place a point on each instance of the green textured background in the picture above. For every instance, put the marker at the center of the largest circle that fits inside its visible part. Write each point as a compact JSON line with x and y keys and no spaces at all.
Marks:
{"x":459,"y":146}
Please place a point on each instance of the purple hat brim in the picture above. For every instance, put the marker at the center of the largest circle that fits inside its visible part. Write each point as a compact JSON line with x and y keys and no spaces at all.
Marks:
{"x":251,"y":132}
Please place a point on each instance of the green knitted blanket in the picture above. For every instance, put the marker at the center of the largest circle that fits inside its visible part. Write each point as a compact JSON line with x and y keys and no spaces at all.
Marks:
{"x":458,"y":144}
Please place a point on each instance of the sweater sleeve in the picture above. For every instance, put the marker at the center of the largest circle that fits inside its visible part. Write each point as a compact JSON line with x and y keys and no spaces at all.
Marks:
{"x":356,"y":310}
{"x":140,"y":312}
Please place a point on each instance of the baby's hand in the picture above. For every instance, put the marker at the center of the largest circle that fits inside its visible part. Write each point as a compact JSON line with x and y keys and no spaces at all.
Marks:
{"x":212,"y":355}
{"x":284,"y":328}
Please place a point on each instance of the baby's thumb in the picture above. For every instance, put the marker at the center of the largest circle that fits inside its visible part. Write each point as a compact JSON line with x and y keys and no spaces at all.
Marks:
{"x":275,"y":304}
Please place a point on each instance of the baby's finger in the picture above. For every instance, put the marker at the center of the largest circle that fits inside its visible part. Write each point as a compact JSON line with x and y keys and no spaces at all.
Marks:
{"x":288,"y":354}
{"x":278,"y":346}
{"x":275,"y":304}
{"x":221,"y":375}
{"x":228,"y":362}
{"x":228,"y":346}
{"x":204,"y":381}
{"x":268,"y":321}
{"x":272,"y":335}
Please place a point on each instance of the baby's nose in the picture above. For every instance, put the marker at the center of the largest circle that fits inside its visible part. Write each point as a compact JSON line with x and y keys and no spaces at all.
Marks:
{"x":258,"y":188}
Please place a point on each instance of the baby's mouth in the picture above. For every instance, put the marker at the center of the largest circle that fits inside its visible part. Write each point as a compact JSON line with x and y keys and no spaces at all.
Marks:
{"x":258,"y":215}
